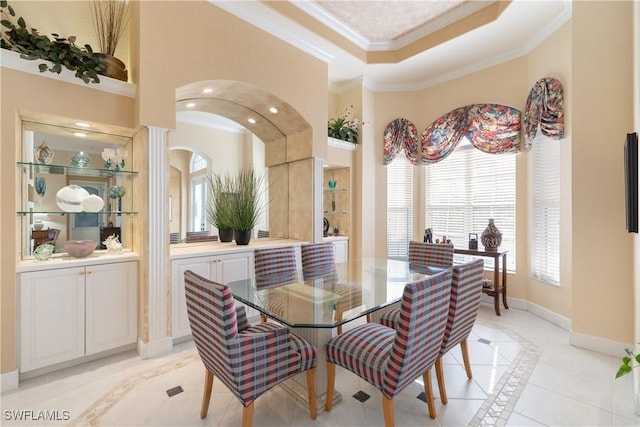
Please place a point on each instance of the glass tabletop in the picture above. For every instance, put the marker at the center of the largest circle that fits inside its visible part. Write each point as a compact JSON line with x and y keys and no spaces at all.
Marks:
{"x":329,"y":297}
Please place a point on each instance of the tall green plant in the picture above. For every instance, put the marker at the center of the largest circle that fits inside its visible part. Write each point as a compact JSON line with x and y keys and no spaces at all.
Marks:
{"x":220,"y":201}
{"x":247,"y":202}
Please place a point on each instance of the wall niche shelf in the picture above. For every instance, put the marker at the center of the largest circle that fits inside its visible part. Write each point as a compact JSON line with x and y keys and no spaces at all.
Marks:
{"x":72,"y":170}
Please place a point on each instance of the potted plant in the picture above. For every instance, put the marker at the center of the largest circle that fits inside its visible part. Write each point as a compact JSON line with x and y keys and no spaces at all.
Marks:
{"x":343,"y":127}
{"x":219,"y":205}
{"x":247,"y":204}
{"x":628,"y":363}
{"x":60,"y":51}
{"x":110,"y":18}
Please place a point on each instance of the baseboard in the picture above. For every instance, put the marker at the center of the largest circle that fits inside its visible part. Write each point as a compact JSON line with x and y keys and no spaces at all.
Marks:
{"x":155,"y":348}
{"x":601,"y":345}
{"x":550,"y":316}
{"x":9,"y":381}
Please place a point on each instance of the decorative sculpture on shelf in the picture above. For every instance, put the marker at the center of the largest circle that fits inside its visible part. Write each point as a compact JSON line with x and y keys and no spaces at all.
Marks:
{"x":114,"y":158}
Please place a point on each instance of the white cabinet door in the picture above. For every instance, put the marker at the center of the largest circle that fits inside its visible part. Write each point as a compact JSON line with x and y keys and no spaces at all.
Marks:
{"x":51,"y":317}
{"x":179,"y":318}
{"x":111,"y":306}
{"x":232,"y":267}
{"x":341,"y":250}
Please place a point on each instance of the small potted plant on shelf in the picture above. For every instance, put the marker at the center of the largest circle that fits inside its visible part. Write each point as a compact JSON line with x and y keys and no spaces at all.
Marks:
{"x":60,"y":51}
{"x":219,"y":205}
{"x":110,"y":18}
{"x":344,"y":127}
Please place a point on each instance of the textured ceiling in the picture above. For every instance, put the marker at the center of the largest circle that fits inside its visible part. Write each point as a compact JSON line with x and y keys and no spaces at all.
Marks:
{"x":379,"y":21}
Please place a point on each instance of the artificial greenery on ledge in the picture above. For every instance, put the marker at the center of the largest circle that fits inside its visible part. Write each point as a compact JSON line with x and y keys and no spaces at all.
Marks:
{"x":628,"y":363}
{"x":344,"y":127}
{"x":60,"y":51}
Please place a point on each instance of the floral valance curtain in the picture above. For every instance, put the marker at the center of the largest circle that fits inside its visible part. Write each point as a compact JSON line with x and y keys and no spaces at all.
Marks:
{"x":492,"y":128}
{"x":544,"y":111}
{"x":401,"y":135}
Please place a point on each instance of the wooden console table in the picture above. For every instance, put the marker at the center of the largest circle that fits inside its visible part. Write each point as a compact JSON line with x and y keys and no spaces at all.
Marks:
{"x":498,"y":287}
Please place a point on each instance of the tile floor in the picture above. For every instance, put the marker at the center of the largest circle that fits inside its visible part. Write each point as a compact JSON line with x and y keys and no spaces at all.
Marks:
{"x":524,"y":374}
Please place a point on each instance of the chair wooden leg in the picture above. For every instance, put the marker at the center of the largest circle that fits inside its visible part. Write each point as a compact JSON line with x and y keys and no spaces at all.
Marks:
{"x":263,"y":318}
{"x":247,"y":415}
{"x":369,"y":318}
{"x":440,"y":377}
{"x":428,"y":391}
{"x":311,"y":391}
{"x":465,"y":357}
{"x":339,"y":318}
{"x":387,"y":408}
{"x":331,"y":376}
{"x":206,"y":396}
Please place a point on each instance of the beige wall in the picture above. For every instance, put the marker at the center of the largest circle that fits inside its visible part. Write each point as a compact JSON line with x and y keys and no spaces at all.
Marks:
{"x":552,"y":58}
{"x":602,"y":98}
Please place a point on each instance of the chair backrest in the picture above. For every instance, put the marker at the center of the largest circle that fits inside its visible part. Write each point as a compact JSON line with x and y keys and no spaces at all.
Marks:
{"x":424,"y":309}
{"x":174,"y":238}
{"x":318,"y":260}
{"x":431,"y":254}
{"x":263,"y":233}
{"x":200,"y":236}
{"x":52,"y":236}
{"x":213,"y":319}
{"x":274,"y":266}
{"x":466,"y":292}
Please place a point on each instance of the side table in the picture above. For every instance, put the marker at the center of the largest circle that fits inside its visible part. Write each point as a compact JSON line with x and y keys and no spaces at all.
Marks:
{"x":498,"y":286}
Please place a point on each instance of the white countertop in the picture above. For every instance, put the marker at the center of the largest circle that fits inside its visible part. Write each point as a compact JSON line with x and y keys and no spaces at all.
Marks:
{"x":188,"y":250}
{"x":332,"y":238}
{"x":66,"y":261}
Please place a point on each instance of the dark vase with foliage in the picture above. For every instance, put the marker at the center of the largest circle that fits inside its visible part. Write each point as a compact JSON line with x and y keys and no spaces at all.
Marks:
{"x":225,"y":234}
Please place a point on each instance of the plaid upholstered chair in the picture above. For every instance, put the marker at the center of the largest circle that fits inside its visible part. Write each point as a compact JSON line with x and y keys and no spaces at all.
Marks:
{"x":431,"y":254}
{"x":249,"y":360}
{"x":174,"y":238}
{"x":200,"y":236}
{"x":466,"y":291}
{"x":391,"y":359}
{"x":318,"y":261}
{"x":273,"y":267}
{"x":263,"y":234}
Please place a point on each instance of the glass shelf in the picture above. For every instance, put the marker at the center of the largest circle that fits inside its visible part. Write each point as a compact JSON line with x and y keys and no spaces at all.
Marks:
{"x":335,"y":190}
{"x":72,"y":170}
{"x":23,"y":213}
{"x":335,"y":213}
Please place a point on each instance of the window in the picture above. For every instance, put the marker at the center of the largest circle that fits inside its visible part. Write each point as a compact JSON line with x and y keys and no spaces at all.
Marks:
{"x":466,"y":189}
{"x":198,"y":168}
{"x":545,"y":251}
{"x":399,"y":207}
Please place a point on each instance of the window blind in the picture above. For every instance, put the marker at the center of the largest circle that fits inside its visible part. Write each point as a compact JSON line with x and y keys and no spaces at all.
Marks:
{"x":545,"y":251}
{"x":466,"y":189}
{"x":399,"y":207}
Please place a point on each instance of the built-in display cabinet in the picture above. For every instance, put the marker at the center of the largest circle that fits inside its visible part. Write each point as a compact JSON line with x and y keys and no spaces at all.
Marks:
{"x":336,"y":201}
{"x":55,"y":157}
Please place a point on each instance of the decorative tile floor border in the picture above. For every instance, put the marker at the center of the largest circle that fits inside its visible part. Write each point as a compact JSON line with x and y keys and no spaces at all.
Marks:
{"x":91,"y":415}
{"x":498,"y":407}
{"x":494,"y":411}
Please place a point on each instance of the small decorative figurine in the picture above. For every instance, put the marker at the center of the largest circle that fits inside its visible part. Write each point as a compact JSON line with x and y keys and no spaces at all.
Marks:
{"x":428,"y":236}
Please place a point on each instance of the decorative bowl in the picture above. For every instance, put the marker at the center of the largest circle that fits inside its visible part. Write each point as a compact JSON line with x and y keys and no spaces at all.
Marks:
{"x":70,"y":198}
{"x":80,"y":248}
{"x":92,"y":203}
{"x":43,"y":252}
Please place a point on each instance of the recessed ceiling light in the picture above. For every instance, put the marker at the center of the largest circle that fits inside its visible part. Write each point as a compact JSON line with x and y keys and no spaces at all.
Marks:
{"x":207,"y":90}
{"x":80,"y":134}
{"x":83,"y":125}
{"x":191,"y":105}
{"x":252,"y":121}
{"x":274,"y":110}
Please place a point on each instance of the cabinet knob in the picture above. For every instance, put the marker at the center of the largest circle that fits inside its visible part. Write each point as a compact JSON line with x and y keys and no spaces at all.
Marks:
{"x":89,"y":271}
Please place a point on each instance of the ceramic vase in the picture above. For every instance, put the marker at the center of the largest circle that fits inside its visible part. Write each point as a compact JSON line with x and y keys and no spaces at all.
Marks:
{"x":242,"y":237}
{"x":491,"y":237}
{"x":225,"y":234}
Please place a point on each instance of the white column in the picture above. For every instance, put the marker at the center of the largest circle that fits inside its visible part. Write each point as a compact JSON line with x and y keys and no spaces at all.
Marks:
{"x":318,"y":177}
{"x":156,"y":247}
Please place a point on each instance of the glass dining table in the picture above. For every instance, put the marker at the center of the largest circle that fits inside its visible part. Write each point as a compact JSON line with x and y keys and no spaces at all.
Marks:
{"x":316,"y":304}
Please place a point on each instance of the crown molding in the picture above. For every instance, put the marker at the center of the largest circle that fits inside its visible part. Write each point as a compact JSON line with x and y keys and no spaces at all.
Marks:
{"x":275,"y":24}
